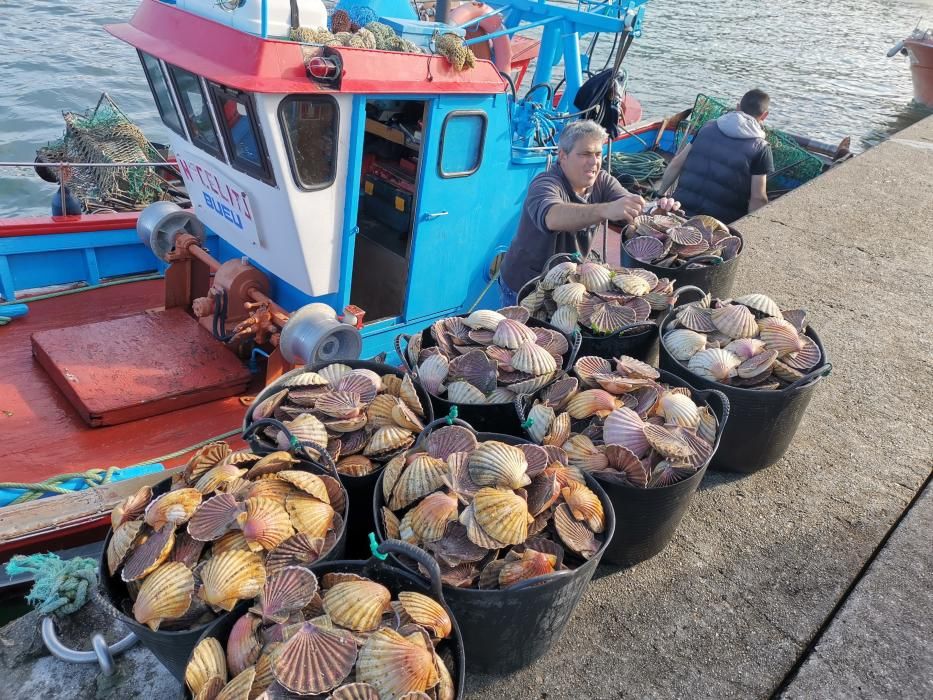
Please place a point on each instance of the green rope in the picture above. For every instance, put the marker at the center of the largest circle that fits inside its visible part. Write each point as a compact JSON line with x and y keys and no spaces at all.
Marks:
{"x":374,"y":548}
{"x":452,"y":416}
{"x":76,"y":290}
{"x":643,"y":167}
{"x":34,"y":491}
{"x":61,"y":587}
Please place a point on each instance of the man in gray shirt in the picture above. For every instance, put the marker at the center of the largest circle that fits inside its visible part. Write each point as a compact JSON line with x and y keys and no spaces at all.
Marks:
{"x":565,"y":206}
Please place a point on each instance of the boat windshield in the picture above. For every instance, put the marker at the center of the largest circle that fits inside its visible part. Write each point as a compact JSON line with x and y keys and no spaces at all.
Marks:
{"x":194,"y":107}
{"x":161,"y":93}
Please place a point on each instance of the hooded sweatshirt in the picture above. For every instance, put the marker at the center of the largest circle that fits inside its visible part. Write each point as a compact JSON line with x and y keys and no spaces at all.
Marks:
{"x":717,"y":175}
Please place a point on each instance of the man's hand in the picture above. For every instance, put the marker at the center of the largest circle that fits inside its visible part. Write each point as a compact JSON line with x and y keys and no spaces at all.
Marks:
{"x":668,"y":204}
{"x":625,"y":208}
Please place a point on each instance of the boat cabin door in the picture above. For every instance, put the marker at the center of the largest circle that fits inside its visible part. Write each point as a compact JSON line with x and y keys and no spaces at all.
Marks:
{"x":419,"y":201}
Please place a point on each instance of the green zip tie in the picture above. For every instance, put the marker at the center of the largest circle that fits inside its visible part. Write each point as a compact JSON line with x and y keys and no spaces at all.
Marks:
{"x":576,"y":257}
{"x":452,"y":416}
{"x":374,"y":548}
{"x":528,"y":423}
{"x":294,"y":444}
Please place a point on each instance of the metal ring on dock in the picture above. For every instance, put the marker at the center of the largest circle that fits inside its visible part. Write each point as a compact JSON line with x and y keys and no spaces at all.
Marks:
{"x":102,"y":653}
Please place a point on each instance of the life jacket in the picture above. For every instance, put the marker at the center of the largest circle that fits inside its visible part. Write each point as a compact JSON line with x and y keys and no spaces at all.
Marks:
{"x":716,"y":177}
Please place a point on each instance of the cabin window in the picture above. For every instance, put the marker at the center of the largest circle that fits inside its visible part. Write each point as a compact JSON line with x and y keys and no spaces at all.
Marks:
{"x":462,"y":139}
{"x":309,"y":125}
{"x":240,"y":127}
{"x":195,"y":110}
{"x":160,"y":92}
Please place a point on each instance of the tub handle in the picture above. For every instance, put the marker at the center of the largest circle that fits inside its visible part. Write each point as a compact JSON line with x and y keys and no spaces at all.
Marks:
{"x":324,"y":455}
{"x":726,"y":410}
{"x":398,"y":348}
{"x":675,"y":297}
{"x":538,"y":580}
{"x":102,"y":653}
{"x":429,"y":428}
{"x":576,"y":339}
{"x":816,"y":374}
{"x":420,"y":556}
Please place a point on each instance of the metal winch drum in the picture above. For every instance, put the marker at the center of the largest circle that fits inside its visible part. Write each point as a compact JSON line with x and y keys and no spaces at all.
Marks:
{"x":505,"y":630}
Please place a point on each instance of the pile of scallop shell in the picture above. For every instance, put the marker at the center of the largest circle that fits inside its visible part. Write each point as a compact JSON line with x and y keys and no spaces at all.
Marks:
{"x":491,"y":514}
{"x":670,"y":241}
{"x":229,"y":520}
{"x":343,"y":638}
{"x":600,"y":298}
{"x":363,"y":418}
{"x":616,"y":421}
{"x":487,"y":357}
{"x":746,"y":342}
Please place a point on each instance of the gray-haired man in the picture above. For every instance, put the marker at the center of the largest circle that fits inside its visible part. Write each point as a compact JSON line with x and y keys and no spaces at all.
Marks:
{"x":565,"y":207}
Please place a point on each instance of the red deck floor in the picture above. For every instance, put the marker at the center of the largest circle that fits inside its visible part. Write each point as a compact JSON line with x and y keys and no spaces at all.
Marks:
{"x":41,"y":433}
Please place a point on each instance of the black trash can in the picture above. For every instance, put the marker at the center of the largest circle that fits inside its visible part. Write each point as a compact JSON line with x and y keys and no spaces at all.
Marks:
{"x":359,"y":488}
{"x":490,"y":417}
{"x":505,"y":630}
{"x":763,"y":422}
{"x":396,"y":580}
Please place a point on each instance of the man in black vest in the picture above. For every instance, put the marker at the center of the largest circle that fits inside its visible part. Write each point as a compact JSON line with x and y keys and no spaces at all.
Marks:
{"x":724,"y":171}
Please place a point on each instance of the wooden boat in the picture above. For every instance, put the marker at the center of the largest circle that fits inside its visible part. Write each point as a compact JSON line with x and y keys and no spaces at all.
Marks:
{"x":918,"y":47}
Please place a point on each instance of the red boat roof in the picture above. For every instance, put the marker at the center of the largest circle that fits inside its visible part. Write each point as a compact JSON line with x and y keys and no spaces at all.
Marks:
{"x":249,"y":63}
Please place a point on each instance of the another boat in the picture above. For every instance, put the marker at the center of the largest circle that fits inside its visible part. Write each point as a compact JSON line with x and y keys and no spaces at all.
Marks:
{"x":918,"y":47}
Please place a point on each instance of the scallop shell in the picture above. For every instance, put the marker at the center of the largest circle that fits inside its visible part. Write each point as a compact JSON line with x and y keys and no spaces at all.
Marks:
{"x":685,"y":235}
{"x":165,"y":595}
{"x":132,"y":507}
{"x":287,"y":591}
{"x":298,"y":550}
{"x":761,"y":303}
{"x":644,"y":248}
{"x":172,"y":508}
{"x":396,"y":665}
{"x":484,"y":319}
{"x":495,"y":463}
{"x":532,"y":564}
{"x":569,"y":294}
{"x":582,"y":454}
{"x":595,"y":277}
{"x":426,"y":612}
{"x":409,"y":395}
{"x":446,"y":441}
{"x":232,"y":541}
{"x":475,"y":367}
{"x":806,"y":358}
{"x":150,"y":550}
{"x":364,"y":382}
{"x":355,"y":691}
{"x":696,"y":319}
{"x":714,"y":364}
{"x":207,"y":661}
{"x":340,"y":404}
{"x":311,"y":484}
{"x":785,"y":372}
{"x":502,"y":514}
{"x":333,"y":373}
{"x":239,"y":687}
{"x":272,"y":463}
{"x":432,"y":373}
{"x":575,"y":535}
{"x":214,"y":518}
{"x":756,"y":365}
{"x":631,"y":284}
{"x":388,"y":439}
{"x":120,"y":543}
{"x":585,"y":505}
{"x":310,"y":515}
{"x":780,"y":335}
{"x":266,"y":407}
{"x":559,"y":431}
{"x":745,"y":348}
{"x":461,"y":392}
{"x":357,"y":605}
{"x":565,"y":319}
{"x":558,"y":274}
{"x":679,"y":409}
{"x":208,"y":456}
{"x":422,"y":476}
{"x":667,"y":442}
{"x":356,"y":465}
{"x":797,"y":318}
{"x":533,"y":359}
{"x":314,"y":660}
{"x":624,"y":467}
{"x":625,"y":427}
{"x":511,"y":334}
{"x":304,"y":379}
{"x":500,"y":395}
{"x":430,"y":517}
{"x":540,"y":418}
{"x":529,"y":386}
{"x":608,"y":318}
{"x":592,"y":402}
{"x":588,"y":367}
{"x":307,"y":429}
{"x":215,"y":477}
{"x":230,"y":577}
{"x":265,"y":524}
{"x":243,"y":644}
{"x":735,"y":321}
{"x":684,"y":343}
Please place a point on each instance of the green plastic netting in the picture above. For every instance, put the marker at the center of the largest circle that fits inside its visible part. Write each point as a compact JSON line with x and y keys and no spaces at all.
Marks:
{"x":106,"y":135}
{"x":793,"y":165}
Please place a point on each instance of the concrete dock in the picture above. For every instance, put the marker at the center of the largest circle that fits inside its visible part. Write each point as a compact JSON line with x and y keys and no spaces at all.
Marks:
{"x":808,"y":579}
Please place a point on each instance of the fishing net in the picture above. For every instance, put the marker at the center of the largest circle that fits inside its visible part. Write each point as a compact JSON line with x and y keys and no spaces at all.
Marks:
{"x":793,"y":165}
{"x":106,"y":135}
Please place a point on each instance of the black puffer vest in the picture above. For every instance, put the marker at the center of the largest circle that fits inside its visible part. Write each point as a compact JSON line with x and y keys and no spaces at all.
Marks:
{"x":716,"y":178}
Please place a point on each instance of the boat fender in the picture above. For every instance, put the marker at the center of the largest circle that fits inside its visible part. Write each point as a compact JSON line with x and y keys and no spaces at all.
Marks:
{"x":313,"y":334}
{"x":160,"y":223}
{"x":896,"y":49}
{"x":501,"y":46}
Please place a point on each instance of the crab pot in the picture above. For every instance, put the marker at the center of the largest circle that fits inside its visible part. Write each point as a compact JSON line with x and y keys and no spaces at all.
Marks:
{"x":496,"y":417}
{"x":506,"y":630}
{"x":393,"y":578}
{"x":359,"y":488}
{"x":714,"y":279}
{"x":763,"y":423}
{"x":173,"y":647}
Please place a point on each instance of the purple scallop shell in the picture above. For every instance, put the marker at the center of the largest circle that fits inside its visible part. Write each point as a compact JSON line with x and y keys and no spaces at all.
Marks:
{"x":644,"y":248}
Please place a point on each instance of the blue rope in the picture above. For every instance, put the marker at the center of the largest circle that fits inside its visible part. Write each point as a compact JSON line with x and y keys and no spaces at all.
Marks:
{"x":61,"y":587}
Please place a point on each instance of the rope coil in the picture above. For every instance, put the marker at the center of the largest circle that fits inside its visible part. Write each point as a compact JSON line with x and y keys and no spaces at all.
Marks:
{"x":61,"y":587}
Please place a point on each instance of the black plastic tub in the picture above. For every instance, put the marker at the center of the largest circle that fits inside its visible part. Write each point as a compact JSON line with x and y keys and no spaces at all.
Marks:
{"x":505,"y":630}
{"x":714,"y":279}
{"x":396,"y":580}
{"x":495,"y":417}
{"x":763,"y":423}
{"x":640,"y":340}
{"x":173,"y":648}
{"x":359,"y":488}
{"x":646,"y":519}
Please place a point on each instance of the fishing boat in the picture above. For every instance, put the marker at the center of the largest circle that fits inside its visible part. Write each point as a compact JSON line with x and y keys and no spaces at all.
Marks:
{"x":918,"y":47}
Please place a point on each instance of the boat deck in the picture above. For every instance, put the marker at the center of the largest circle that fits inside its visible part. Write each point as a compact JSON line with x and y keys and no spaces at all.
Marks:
{"x":44,"y":435}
